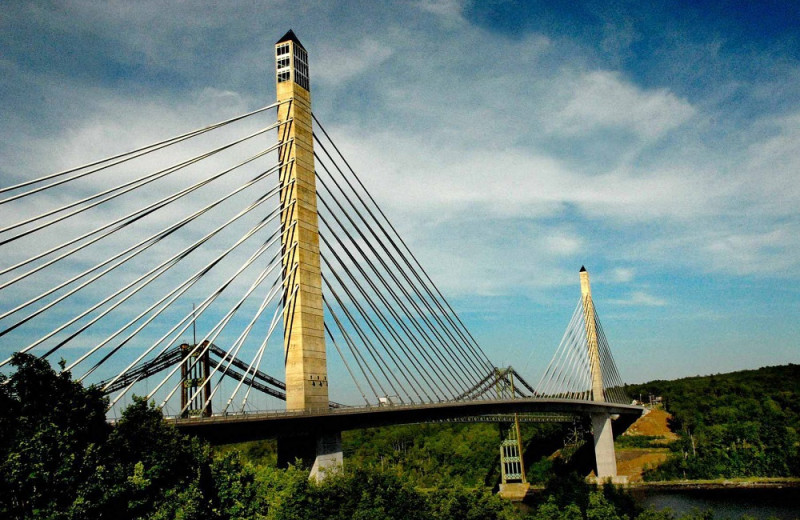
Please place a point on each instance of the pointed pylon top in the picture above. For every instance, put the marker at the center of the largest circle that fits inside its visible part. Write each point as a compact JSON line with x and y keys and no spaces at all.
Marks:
{"x":583,"y":269}
{"x":290,"y":36}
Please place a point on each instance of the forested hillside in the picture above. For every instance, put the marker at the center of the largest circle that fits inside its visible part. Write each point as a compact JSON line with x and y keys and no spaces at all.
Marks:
{"x":740,"y":424}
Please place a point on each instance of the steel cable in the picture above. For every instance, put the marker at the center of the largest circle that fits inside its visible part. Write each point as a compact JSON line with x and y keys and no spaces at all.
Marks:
{"x":370,"y":323}
{"x":388,"y":306}
{"x":423,"y":334}
{"x":476,"y":348}
{"x":128,"y":187}
{"x":144,"y":150}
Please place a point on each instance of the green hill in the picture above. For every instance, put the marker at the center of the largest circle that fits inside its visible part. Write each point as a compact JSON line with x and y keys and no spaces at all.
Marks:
{"x":740,"y":424}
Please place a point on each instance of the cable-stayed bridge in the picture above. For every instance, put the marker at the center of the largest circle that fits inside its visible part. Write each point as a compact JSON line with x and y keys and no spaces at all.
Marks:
{"x":229,"y":269}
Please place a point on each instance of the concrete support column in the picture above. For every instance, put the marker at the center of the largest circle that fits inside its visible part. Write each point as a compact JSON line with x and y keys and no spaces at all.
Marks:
{"x":321,"y":451}
{"x":329,"y":456}
{"x":604,"y":454}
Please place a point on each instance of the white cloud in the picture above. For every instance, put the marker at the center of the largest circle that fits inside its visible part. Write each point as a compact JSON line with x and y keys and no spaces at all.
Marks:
{"x":450,"y":11}
{"x":639,"y":299}
{"x":772,"y":252}
{"x":622,"y":274}
{"x":768,"y":177}
{"x":337,"y":65}
{"x":601,"y":100}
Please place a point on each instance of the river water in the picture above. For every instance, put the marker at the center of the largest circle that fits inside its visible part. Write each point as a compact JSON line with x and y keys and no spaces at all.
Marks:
{"x":783,"y":503}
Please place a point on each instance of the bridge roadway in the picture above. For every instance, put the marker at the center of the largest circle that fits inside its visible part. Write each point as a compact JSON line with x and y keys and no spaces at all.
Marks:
{"x":222,"y":429}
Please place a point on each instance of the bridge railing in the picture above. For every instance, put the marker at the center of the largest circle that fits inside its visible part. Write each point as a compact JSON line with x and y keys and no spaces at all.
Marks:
{"x":477,"y":406}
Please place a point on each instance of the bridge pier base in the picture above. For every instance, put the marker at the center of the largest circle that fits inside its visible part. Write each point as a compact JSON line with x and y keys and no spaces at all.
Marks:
{"x":322,"y":452}
{"x":329,"y":456}
{"x":604,"y":454}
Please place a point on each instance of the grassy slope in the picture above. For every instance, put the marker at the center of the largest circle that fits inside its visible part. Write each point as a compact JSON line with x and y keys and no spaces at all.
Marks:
{"x":644,"y":445}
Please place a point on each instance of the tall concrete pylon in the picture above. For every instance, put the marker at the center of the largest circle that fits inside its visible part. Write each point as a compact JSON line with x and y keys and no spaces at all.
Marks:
{"x":604,"y":454}
{"x":304,"y":334}
{"x":303,"y":320}
{"x":591,"y":337}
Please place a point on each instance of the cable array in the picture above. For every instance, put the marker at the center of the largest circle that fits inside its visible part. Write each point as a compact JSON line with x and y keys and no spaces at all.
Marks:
{"x":401,"y":336}
{"x":569,"y":373}
{"x":613,"y":385}
{"x":114,"y":266}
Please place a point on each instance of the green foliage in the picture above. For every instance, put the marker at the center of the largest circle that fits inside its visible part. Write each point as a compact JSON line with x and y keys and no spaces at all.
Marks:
{"x":287,"y":494}
{"x":550,"y":510}
{"x":540,"y":470}
{"x":469,"y":504}
{"x":50,"y":429}
{"x":567,"y":492}
{"x":653,"y":514}
{"x":175,"y":467}
{"x":601,"y":509}
{"x":151,"y":469}
{"x":740,"y":424}
{"x":61,"y":460}
{"x":441,"y":455}
{"x":369,"y":494}
{"x":567,"y":487}
{"x":429,"y":455}
{"x":238,"y":492}
{"x":261,"y":453}
{"x":639,"y":441}
{"x":607,"y":505}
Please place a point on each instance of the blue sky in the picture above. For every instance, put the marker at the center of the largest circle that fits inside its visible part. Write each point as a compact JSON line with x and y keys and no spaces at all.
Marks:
{"x":511,"y":142}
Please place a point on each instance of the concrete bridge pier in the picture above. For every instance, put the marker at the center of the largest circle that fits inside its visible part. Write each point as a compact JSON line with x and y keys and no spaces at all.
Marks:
{"x":321,"y":451}
{"x":329,"y":455}
{"x":604,"y":454}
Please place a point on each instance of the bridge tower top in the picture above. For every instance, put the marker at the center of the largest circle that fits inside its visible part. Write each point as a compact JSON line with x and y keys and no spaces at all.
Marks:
{"x":291,"y":60}
{"x":591,"y":336}
{"x":303,"y":321}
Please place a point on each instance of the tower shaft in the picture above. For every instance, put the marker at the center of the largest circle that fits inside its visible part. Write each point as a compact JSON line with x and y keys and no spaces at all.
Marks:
{"x":591,"y":337}
{"x":304,"y":335}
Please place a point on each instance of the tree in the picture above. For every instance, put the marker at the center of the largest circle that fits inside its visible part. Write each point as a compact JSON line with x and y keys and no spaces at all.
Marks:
{"x":51,"y":429}
{"x":470,"y":504}
{"x":369,"y":494}
{"x":60,"y":459}
{"x":732,"y":425}
{"x":600,"y":508}
{"x":239,"y":494}
{"x":150,"y":470}
{"x":551,"y":511}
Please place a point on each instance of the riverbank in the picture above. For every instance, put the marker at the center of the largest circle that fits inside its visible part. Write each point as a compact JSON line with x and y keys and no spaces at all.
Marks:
{"x":762,"y":499}
{"x":680,"y":485}
{"x":733,"y":483}
{"x":735,"y":500}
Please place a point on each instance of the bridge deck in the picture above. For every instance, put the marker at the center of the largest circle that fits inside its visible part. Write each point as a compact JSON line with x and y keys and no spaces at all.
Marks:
{"x":245,"y":427}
